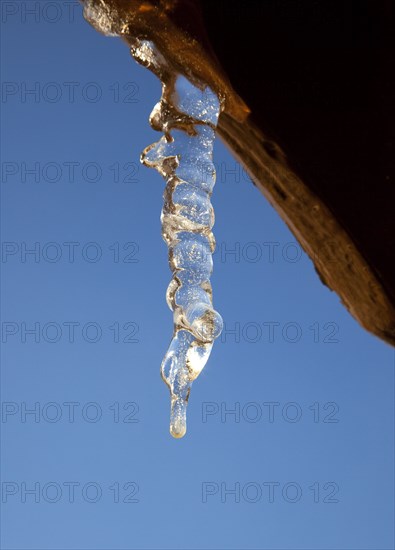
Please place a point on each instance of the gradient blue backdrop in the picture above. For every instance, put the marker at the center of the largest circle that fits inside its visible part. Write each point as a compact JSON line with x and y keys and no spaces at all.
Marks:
{"x":351,"y":368}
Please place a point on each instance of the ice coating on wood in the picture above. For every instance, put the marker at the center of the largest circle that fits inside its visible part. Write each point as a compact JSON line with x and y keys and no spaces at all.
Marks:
{"x":99,"y":16}
{"x":188,"y":116}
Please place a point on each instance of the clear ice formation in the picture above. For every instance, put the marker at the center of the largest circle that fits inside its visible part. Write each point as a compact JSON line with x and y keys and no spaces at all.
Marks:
{"x":188,"y":117}
{"x":187,"y":114}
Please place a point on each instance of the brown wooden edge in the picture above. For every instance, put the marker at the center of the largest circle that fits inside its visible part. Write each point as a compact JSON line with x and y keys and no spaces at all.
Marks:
{"x":336,"y":258}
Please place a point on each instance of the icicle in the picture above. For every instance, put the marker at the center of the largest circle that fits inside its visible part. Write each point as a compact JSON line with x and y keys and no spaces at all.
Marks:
{"x":188,"y":116}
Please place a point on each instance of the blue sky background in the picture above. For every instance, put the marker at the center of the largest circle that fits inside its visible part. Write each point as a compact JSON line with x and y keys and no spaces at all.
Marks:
{"x":339,"y":378}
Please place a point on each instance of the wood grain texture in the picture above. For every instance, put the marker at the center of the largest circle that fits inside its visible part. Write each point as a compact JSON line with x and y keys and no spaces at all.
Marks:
{"x":337,"y":260}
